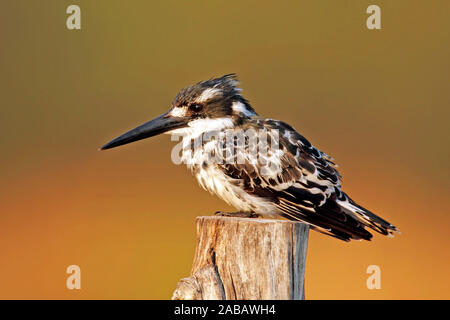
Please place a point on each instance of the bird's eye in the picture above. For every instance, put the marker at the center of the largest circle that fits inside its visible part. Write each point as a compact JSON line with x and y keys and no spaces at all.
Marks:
{"x":196,"y":107}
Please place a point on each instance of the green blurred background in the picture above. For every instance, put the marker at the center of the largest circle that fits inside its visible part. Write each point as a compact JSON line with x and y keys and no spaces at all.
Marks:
{"x":376,"y":100}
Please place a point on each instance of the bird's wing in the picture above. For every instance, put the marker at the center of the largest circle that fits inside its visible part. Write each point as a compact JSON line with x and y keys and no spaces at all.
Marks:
{"x":302,"y":182}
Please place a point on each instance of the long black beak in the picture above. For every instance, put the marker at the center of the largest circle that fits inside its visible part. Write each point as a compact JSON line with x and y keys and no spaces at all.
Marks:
{"x":159,"y":125}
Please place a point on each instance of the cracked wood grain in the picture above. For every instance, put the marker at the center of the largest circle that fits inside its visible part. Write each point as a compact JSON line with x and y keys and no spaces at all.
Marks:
{"x":246,"y":259}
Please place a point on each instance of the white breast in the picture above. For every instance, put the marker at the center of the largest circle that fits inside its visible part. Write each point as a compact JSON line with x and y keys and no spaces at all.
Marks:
{"x":211,"y":177}
{"x":231,"y":191}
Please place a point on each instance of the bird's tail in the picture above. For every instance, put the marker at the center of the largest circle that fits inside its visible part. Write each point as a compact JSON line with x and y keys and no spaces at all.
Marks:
{"x":340,"y":218}
{"x":366,"y":217}
{"x":329,"y":219}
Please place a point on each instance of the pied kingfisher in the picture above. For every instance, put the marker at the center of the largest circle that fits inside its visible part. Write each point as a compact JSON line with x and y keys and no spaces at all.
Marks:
{"x":307,"y":187}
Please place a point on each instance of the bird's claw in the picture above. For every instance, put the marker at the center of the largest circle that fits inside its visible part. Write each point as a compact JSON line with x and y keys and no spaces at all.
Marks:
{"x":237,"y":214}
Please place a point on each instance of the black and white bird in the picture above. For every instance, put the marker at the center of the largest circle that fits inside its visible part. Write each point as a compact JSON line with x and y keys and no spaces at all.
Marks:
{"x":306,"y":187}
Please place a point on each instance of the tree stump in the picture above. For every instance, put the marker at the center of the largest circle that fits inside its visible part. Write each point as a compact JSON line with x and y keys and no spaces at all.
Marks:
{"x":246,"y":259}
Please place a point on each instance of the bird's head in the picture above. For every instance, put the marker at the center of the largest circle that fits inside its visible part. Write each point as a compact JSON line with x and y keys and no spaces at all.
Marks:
{"x":206,"y":106}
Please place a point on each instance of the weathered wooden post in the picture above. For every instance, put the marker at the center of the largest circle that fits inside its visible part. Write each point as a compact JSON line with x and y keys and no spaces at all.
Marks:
{"x":248,"y":259}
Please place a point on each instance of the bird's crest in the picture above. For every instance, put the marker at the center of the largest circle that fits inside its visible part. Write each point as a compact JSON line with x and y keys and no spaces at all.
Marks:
{"x":223,"y":87}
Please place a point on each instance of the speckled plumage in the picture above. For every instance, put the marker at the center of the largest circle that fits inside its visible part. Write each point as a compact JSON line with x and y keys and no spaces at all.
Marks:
{"x":307,"y":188}
{"x":306,"y":185}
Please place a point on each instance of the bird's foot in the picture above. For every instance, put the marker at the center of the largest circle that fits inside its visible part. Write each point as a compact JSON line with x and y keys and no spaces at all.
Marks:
{"x":237,"y":214}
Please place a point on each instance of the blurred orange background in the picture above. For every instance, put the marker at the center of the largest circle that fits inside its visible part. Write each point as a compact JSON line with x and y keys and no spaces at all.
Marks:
{"x":376,"y":100}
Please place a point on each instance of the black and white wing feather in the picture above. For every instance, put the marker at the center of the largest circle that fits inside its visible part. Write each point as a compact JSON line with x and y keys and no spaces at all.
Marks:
{"x":307,"y":188}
